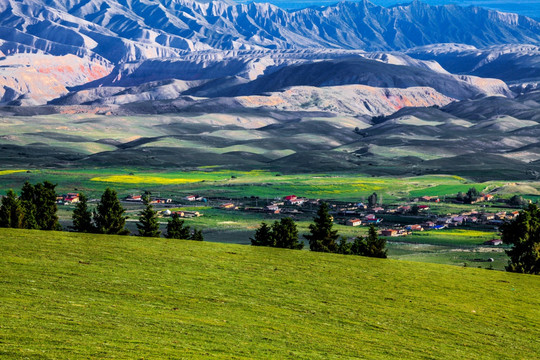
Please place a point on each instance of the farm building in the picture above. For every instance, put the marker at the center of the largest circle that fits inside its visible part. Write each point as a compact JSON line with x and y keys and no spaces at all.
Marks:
{"x":389,"y":232}
{"x":71,"y":198}
{"x":414,"y":227}
{"x":290,"y":198}
{"x":372,"y":219}
{"x":354,"y":222}
{"x":297,"y":202}
{"x":134,"y":198}
{"x":227,"y":206}
{"x":190,"y":198}
{"x":161,"y":201}
{"x":273,"y":209}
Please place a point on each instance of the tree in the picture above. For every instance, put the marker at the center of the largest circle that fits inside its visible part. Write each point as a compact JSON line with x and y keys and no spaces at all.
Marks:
{"x":344,"y":246}
{"x":282,"y":234}
{"x":82,"y":216}
{"x":148,"y":224}
{"x":415,"y":210}
{"x":39,"y":206}
{"x":472,"y":195}
{"x":263,"y":236}
{"x":460,"y":196}
{"x":523,"y":234}
{"x":11,"y":212}
{"x":517,"y":200}
{"x":372,"y":200}
{"x":285,"y":234}
{"x":371,"y":245}
{"x":322,"y":237}
{"x":109,"y":216}
{"x":176,"y":228}
{"x":197,"y":235}
{"x":29,"y":207}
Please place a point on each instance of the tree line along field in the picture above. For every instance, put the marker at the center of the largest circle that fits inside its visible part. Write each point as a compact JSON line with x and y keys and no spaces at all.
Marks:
{"x":95,"y":296}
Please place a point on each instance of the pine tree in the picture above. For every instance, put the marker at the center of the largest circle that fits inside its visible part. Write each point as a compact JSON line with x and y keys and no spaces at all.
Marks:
{"x":263,"y":236}
{"x":45,"y":201}
{"x":148,"y":224}
{"x":82,"y":216}
{"x":11,"y":212}
{"x":109,"y":216}
{"x":176,"y":229}
{"x":285,"y":234}
{"x":197,"y":235}
{"x":344,"y":246}
{"x":371,"y":245}
{"x":29,"y":207}
{"x":322,"y":237}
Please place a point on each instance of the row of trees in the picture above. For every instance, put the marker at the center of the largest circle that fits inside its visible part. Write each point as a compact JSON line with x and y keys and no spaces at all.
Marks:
{"x":109,"y":218}
{"x":34,"y":209}
{"x":322,"y":237}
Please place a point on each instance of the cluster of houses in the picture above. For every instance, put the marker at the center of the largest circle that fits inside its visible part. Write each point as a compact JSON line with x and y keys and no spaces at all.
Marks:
{"x":366,"y":220}
{"x":195,"y":198}
{"x":477,"y":218}
{"x":153,"y":200}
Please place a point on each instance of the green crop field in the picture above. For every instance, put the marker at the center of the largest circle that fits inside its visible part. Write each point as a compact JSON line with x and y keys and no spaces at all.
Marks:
{"x":213,"y":181}
{"x":65,"y":295}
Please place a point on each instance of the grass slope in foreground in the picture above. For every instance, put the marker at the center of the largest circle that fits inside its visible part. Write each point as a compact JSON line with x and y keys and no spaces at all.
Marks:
{"x":65,"y":295}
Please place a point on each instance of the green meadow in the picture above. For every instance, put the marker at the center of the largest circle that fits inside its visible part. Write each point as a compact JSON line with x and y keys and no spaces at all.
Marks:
{"x":214,"y":181}
{"x":65,"y":295}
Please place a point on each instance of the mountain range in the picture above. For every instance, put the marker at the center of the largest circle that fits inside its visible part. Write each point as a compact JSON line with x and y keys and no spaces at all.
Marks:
{"x":331,"y":87}
{"x":129,"y":30}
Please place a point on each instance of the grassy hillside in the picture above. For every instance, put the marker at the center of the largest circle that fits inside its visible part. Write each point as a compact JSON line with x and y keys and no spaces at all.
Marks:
{"x":67,"y":295}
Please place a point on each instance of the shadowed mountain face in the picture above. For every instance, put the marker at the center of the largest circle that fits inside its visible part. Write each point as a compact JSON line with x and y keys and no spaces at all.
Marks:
{"x":488,"y":138}
{"x":517,"y":65}
{"x":131,"y":30}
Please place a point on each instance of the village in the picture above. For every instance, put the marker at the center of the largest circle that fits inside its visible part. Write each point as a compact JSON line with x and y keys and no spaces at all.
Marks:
{"x":393,"y":220}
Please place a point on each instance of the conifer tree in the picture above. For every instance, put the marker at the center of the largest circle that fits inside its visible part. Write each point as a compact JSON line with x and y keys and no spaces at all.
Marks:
{"x":29,"y":207}
{"x":82,"y":216}
{"x":176,"y":228}
{"x":371,"y":245}
{"x":45,"y":201}
{"x":322,"y":237}
{"x":39,"y":206}
{"x":344,"y":247}
{"x":109,"y":216}
{"x":263,"y":236}
{"x":11,"y":212}
{"x":197,"y":235}
{"x":285,"y":234}
{"x":148,"y":224}
{"x":523,"y":234}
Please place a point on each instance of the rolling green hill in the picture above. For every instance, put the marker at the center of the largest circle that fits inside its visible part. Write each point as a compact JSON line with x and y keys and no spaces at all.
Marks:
{"x":65,"y":295}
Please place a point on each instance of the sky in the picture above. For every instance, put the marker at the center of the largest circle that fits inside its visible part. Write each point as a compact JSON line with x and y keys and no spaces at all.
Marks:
{"x":525,"y":7}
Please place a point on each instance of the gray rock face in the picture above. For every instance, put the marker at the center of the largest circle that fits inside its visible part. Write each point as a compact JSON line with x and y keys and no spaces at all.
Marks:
{"x":129,"y":30}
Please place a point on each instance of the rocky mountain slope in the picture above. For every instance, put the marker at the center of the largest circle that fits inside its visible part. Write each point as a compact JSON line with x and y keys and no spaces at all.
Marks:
{"x":129,"y":30}
{"x":518,"y":65}
{"x":163,"y":49}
